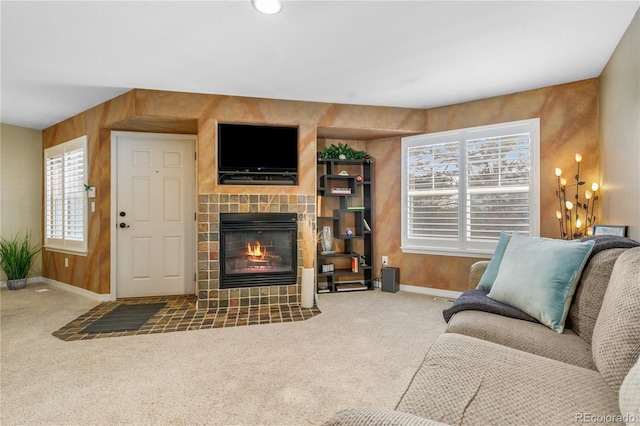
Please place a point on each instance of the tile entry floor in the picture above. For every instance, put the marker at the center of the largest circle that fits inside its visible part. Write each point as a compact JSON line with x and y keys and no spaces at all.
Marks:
{"x":180,"y":314}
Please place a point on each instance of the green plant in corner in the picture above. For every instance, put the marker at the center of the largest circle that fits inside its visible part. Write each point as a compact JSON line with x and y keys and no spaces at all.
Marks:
{"x":17,"y":256}
{"x":343,"y":152}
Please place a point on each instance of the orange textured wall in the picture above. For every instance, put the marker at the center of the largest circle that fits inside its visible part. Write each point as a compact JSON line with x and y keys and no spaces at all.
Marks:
{"x":174,"y":112}
{"x":90,"y":272}
{"x":568,"y":124}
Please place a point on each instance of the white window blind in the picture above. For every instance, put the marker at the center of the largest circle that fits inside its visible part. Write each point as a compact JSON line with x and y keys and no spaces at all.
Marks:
{"x":433,"y":180}
{"x":65,"y":199}
{"x":462,"y":188}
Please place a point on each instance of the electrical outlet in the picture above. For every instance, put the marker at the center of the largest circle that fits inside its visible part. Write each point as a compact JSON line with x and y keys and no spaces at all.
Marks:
{"x":385,"y":260}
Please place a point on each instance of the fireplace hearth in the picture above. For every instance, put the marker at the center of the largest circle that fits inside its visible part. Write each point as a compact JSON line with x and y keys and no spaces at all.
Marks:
{"x":257,"y":249}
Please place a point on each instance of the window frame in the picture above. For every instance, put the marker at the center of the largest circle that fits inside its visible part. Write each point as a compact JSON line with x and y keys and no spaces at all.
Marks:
{"x":62,"y":243}
{"x":462,"y":246}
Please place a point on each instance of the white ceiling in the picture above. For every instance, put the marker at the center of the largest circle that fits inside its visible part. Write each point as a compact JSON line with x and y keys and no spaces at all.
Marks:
{"x":61,"y":58}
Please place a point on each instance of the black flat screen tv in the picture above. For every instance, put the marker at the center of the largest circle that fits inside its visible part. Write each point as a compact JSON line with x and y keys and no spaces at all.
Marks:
{"x":248,"y":148}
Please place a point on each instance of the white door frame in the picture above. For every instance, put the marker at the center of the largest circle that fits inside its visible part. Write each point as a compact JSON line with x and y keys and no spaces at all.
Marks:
{"x":113,"y":252}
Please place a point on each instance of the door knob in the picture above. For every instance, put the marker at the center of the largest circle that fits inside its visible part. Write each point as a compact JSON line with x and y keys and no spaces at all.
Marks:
{"x":123,"y":225}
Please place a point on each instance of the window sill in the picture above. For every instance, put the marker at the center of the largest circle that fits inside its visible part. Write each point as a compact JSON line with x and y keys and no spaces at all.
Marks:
{"x":66,"y":251}
{"x":483,"y":254}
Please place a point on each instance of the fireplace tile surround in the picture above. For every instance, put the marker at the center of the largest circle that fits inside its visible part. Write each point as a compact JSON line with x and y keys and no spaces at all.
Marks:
{"x":210,"y":295}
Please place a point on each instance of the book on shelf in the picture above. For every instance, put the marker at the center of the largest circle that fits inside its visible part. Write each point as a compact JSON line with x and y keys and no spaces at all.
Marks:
{"x":341,"y":191}
{"x":366,"y":224}
{"x":355,"y":208}
{"x":350,"y":287}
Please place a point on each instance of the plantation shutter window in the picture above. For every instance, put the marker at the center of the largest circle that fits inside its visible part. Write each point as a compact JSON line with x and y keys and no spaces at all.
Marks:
{"x":462,"y":188}
{"x":433,"y":179}
{"x":498,"y":186}
{"x":65,"y":199}
{"x":53,"y":196}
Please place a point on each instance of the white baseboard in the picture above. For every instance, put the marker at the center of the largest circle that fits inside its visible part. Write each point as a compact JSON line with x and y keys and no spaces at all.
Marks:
{"x":72,"y":289}
{"x":435,"y":292}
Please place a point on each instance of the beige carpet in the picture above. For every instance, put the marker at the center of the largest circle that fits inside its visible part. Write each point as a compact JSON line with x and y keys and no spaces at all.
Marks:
{"x":363,"y":349}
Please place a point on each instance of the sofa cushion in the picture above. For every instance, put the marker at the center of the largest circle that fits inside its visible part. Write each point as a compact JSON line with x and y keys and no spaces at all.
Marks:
{"x":468,"y":381}
{"x":361,"y":416}
{"x":523,"y":335}
{"x":539,"y":277}
{"x":590,"y":292}
{"x":616,"y":335}
{"x":490,"y":274}
{"x":630,"y":395}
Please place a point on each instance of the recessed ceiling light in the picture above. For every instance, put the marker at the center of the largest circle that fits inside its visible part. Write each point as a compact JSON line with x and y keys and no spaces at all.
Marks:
{"x":269,"y":7}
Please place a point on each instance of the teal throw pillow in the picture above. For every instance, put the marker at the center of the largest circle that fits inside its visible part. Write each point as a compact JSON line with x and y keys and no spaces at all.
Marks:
{"x":539,"y":276}
{"x":490,"y":274}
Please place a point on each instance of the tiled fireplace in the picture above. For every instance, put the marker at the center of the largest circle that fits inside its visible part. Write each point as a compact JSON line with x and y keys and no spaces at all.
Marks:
{"x":215,"y":289}
{"x":258,"y":249}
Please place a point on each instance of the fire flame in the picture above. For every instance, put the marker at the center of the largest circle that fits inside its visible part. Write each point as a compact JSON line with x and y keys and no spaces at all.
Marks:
{"x":255,"y":251}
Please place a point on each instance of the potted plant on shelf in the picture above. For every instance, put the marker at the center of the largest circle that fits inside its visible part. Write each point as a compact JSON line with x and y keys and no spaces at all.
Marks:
{"x":343,"y":152}
{"x":17,"y":256}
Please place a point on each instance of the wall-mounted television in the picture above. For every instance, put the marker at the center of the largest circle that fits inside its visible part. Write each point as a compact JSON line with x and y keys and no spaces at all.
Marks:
{"x":257,"y":149}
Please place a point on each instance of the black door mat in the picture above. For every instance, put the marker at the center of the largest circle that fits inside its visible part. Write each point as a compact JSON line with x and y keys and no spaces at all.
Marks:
{"x":124,"y":318}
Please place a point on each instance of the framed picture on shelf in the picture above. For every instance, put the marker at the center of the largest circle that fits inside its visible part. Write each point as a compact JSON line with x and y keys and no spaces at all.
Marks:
{"x":327,"y":268}
{"x":620,"y":231}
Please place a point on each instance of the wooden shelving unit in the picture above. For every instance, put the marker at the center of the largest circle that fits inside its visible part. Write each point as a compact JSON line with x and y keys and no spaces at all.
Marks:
{"x":345,"y":201}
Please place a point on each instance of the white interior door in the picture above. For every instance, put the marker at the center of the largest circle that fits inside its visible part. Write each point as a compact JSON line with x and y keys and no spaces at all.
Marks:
{"x":155,"y":214}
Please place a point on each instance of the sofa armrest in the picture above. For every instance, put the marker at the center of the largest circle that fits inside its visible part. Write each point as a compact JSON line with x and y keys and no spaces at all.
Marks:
{"x":475,"y":273}
{"x":366,"y":416}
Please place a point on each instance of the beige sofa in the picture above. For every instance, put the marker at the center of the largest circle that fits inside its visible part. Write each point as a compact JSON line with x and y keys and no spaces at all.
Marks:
{"x":488,"y":369}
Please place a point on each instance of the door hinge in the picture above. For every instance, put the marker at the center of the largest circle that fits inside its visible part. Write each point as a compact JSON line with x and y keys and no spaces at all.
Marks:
{"x":195,"y":156}
{"x":195,"y":277}
{"x":195,"y":217}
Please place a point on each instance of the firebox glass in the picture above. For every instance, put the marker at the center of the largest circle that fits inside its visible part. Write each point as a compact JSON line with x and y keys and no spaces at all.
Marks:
{"x":258,"y":252}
